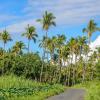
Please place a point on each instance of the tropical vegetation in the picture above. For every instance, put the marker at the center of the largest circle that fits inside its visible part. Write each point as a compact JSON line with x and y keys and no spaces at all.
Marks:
{"x":64,"y":61}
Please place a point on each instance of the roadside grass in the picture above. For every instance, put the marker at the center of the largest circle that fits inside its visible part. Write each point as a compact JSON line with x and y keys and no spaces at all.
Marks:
{"x":17,"y":88}
{"x":92,"y":89}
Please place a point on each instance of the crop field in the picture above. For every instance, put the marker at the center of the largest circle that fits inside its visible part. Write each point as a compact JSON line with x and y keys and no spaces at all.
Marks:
{"x":14,"y":88}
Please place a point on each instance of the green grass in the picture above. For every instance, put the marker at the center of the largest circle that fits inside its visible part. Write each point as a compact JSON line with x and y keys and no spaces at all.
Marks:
{"x":15,"y":88}
{"x":92,"y":90}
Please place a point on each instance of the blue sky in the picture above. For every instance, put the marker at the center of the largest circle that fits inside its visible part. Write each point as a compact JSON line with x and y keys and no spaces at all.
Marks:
{"x":71,"y":17}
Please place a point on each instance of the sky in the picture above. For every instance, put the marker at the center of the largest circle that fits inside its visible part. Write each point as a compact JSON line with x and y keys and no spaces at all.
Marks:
{"x":71,"y":17}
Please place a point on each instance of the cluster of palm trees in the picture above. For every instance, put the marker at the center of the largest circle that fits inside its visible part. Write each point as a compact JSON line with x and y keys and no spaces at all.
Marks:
{"x":75,"y":48}
{"x":57,"y":51}
{"x":30,"y":34}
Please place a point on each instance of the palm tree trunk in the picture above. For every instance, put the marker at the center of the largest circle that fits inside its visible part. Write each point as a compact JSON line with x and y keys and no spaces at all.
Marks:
{"x":28,"y":45}
{"x":60,"y":65}
{"x":83,"y":73}
{"x":73,"y":67}
{"x":68,"y":68}
{"x":4,"y":46}
{"x":52,"y":57}
{"x":46,"y":47}
{"x":3,"y":59}
{"x":41,"y":73}
{"x":89,"y":38}
{"x":74,"y":76}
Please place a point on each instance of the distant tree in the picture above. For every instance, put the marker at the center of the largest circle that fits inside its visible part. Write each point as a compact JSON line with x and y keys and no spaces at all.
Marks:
{"x":47,"y":21}
{"x":30,"y":34}
{"x":90,"y":29}
{"x":18,"y":47}
{"x":5,"y":37}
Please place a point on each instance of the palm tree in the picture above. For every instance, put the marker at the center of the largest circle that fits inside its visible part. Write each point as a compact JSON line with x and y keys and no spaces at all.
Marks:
{"x":18,"y":47}
{"x":42,"y":44}
{"x":30,"y":34}
{"x":51,"y":47}
{"x":47,"y":21}
{"x":65,"y":57}
{"x":81,"y":42}
{"x":90,"y":29}
{"x":74,"y":50}
{"x":5,"y":37}
{"x":59,"y":42}
{"x":83,"y":50}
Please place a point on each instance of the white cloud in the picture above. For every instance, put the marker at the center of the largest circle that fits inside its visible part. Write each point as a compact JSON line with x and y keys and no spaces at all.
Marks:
{"x":6,"y":17}
{"x":66,"y":11}
{"x":19,"y":27}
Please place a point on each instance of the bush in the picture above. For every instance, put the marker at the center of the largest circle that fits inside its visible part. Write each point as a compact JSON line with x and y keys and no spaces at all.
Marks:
{"x":98,"y":70}
{"x":92,"y":90}
{"x":28,"y":65}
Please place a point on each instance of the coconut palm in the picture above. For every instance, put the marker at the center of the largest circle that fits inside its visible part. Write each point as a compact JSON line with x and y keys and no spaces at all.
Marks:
{"x":18,"y":47}
{"x":59,"y":42}
{"x":30,"y":34}
{"x":81,"y":42}
{"x":42,"y":44}
{"x":51,"y":47}
{"x":65,"y":58}
{"x":47,"y":21}
{"x":83,"y":50}
{"x":90,"y":29}
{"x":5,"y":37}
{"x":72,"y":51}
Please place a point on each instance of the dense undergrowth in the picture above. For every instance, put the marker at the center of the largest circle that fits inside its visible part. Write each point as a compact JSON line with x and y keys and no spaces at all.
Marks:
{"x":14,"y":88}
{"x":92,"y":90}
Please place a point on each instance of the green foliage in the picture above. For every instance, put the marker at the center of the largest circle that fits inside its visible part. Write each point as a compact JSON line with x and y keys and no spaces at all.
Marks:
{"x":98,"y":70}
{"x":92,"y":88}
{"x":14,"y":88}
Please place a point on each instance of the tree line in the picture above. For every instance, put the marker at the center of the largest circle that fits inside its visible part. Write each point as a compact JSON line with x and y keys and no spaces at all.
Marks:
{"x":63,"y":61}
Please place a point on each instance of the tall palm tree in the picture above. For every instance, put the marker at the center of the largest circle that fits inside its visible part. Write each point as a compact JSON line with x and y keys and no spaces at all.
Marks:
{"x":81,"y":42}
{"x":42,"y":44}
{"x":30,"y":34}
{"x":65,"y":57}
{"x":74,"y":50}
{"x":5,"y":37}
{"x":18,"y":47}
{"x":51,"y":47}
{"x":59,"y":42}
{"x":90,"y":29}
{"x":47,"y":21}
{"x":83,"y":50}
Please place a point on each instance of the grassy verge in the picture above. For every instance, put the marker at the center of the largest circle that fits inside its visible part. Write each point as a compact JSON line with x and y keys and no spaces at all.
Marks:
{"x":92,"y":88}
{"x":14,"y":88}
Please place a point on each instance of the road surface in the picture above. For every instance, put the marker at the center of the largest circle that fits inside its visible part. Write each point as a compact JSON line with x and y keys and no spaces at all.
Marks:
{"x":70,"y":94}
